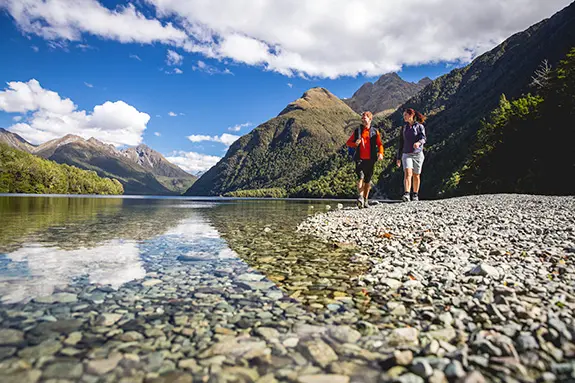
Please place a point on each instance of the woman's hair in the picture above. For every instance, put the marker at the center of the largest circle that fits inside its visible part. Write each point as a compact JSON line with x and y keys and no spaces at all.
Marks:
{"x":418,"y":116}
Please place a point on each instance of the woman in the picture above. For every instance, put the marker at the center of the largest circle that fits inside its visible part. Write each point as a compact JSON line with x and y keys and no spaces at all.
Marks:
{"x":410,"y":152}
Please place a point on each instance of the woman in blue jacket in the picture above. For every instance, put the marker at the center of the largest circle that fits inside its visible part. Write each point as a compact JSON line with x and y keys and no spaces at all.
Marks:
{"x":410,"y":152}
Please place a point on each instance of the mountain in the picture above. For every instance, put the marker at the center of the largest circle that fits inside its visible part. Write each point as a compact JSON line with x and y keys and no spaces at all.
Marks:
{"x":281,"y":152}
{"x":22,"y":172}
{"x":385,"y":95}
{"x":141,"y":170}
{"x":169,"y":175}
{"x":458,"y":101}
{"x":15,"y":141}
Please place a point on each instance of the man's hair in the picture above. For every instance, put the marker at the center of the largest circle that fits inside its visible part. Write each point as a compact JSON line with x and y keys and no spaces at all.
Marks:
{"x":369,"y":114}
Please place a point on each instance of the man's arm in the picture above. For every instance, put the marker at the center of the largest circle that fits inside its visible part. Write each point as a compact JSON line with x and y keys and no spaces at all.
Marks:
{"x":351,"y":141}
{"x":379,"y":144}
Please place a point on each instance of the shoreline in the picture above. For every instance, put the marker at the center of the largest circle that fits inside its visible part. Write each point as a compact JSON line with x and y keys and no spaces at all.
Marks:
{"x":490,"y":275}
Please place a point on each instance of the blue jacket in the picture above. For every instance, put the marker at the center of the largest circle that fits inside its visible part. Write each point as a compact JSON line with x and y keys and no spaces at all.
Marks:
{"x":409,"y":135}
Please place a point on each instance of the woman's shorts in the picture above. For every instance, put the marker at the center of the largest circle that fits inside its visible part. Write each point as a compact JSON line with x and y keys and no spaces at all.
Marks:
{"x":364,"y":170}
{"x":413,"y":161}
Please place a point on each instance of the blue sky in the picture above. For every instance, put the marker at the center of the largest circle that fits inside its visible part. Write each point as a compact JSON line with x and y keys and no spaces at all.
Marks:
{"x":221,"y":85}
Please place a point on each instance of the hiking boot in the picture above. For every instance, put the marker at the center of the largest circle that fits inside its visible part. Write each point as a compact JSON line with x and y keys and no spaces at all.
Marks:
{"x":415,"y":197}
{"x":405,"y":197}
{"x":366,"y":203}
{"x":360,"y":202}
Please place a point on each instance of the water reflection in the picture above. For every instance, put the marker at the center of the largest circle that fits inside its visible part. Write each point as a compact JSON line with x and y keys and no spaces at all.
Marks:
{"x":43,"y":268}
{"x":48,"y":243}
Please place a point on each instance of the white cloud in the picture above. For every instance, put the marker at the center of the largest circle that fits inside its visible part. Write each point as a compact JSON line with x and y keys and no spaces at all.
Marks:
{"x":52,"y":116}
{"x":201,"y":66}
{"x":157,"y":134}
{"x":135,"y":57}
{"x":226,"y":139}
{"x":35,"y":48}
{"x":172,"y":114}
{"x":178,"y":71}
{"x":88,"y":84}
{"x":16,"y":118}
{"x":173,"y":58}
{"x":290,"y":84}
{"x":193,"y":162}
{"x":238,"y":127}
{"x":297,"y":37}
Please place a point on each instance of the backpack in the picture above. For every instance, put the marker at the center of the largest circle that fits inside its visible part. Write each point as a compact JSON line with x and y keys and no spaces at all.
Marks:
{"x":351,"y":152}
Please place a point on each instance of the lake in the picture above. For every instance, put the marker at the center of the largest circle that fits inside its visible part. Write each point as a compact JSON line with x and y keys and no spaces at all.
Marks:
{"x":172,"y":289}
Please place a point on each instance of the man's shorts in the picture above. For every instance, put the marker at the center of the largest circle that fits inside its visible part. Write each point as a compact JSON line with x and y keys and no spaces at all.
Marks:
{"x":364,"y":170}
{"x":413,"y":161}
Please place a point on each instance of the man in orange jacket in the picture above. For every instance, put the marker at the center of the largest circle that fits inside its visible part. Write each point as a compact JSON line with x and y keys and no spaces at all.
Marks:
{"x":368,"y":149}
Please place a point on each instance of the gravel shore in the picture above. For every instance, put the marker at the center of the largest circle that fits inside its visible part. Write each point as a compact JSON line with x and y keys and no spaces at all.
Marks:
{"x":476,"y":288}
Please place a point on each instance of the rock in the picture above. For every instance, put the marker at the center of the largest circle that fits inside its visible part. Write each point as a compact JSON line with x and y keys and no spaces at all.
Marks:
{"x":437,"y":377}
{"x":108,"y":319}
{"x":290,"y":342}
{"x":403,"y":337}
{"x":474,"y":377}
{"x":11,"y":337}
{"x":268,"y":333}
{"x":392,"y":283}
{"x":57,"y":298}
{"x":403,"y":358}
{"x":320,"y":378}
{"x":454,"y":370}
{"x":527,"y":342}
{"x":103,"y":366}
{"x":399,"y":311}
{"x":446,"y":334}
{"x":44,"y":349}
{"x":131,"y":336}
{"x":188,"y":364}
{"x":241,"y":374}
{"x":172,"y":377}
{"x":409,"y":378}
{"x":6,"y":352}
{"x":421,"y":367}
{"x":343,"y":334}
{"x":63,"y":370}
{"x":73,"y":338}
{"x":256,"y":285}
{"x":151,"y":282}
{"x":250,"y":277}
{"x":319,"y":352}
{"x":484,"y":269}
{"x":26,"y":376}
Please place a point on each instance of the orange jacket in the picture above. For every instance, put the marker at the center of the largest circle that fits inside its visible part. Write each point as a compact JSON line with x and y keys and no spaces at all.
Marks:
{"x":365,"y":146}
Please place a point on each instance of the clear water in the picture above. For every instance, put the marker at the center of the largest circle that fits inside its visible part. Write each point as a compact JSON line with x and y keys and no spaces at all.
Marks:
{"x":50,"y":243}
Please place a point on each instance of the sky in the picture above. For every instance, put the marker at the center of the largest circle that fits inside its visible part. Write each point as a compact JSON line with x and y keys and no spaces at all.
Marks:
{"x":188,"y":78}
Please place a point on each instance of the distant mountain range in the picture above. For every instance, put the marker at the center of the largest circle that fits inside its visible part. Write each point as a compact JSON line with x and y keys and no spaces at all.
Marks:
{"x":141,"y":170}
{"x":385,"y":95}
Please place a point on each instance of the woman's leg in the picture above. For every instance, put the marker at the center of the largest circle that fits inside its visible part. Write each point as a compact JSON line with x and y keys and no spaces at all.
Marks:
{"x":416,"y":182}
{"x":407,"y":174}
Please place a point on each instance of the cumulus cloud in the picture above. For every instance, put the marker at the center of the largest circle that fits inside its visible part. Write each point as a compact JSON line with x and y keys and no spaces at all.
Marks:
{"x":297,"y":37}
{"x":157,"y":134}
{"x":238,"y":127}
{"x":226,"y":139}
{"x":172,"y":114}
{"x":178,"y":71}
{"x":193,"y":162}
{"x":174,"y":58}
{"x":290,"y":84}
{"x":52,"y":116}
{"x":16,"y":118}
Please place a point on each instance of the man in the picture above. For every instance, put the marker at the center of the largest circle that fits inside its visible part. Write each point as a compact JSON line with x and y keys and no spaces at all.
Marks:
{"x":368,"y":149}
